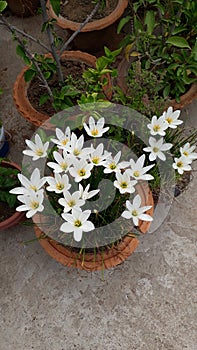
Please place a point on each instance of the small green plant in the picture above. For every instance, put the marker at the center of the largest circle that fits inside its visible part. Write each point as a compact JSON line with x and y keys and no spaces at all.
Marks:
{"x":163,"y":38}
{"x":8,"y":180}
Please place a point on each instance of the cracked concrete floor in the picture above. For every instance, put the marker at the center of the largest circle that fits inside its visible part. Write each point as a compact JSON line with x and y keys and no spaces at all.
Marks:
{"x":147,"y":303}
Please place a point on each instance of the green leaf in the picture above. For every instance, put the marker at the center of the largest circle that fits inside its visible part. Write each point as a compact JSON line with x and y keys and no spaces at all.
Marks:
{"x":43,"y":99}
{"x":122,"y":23}
{"x":178,"y":42}
{"x":150,"y":21}
{"x":55,"y":6}
{"x":3,"y":5}
{"x":29,"y":74}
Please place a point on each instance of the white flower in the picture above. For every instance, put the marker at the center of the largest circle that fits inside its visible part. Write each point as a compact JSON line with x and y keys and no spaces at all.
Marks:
{"x":111,"y":164}
{"x":172,"y":118}
{"x":84,"y":194}
{"x":32,"y":203}
{"x":95,"y":129}
{"x":138,"y":171}
{"x":37,"y":149}
{"x":158,"y":126}
{"x":58,"y":184}
{"x":34,"y":184}
{"x":77,"y":223}
{"x":63,"y":138}
{"x":63,"y":162}
{"x":124,"y":183}
{"x":188,"y":152}
{"x":136,"y":213}
{"x":96,"y":156}
{"x":75,"y":146}
{"x":71,"y":201}
{"x":80,"y":170}
{"x":156,"y":148}
{"x":181,"y":165}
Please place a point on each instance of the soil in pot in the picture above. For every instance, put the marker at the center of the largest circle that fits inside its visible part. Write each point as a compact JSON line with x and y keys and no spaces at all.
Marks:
{"x":78,"y":10}
{"x":5,"y":211}
{"x":72,"y":70}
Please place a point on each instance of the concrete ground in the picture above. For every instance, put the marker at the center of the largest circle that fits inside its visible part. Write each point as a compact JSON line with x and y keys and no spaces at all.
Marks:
{"x":146,"y":303}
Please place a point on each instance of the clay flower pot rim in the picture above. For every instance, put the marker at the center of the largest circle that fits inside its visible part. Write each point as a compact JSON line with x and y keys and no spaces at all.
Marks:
{"x":94,"y":25}
{"x":18,"y":216}
{"x":20,"y":88}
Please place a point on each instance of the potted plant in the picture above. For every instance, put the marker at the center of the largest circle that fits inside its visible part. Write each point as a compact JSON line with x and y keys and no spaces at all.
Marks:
{"x":8,"y":179}
{"x":160,"y":49}
{"x":88,"y":234}
{"x":47,"y":69}
{"x":100,"y":31}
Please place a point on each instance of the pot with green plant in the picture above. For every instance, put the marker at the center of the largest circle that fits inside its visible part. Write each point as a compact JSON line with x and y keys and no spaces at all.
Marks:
{"x":161,"y":47}
{"x":55,"y":89}
{"x":100,"y":31}
{"x":90,"y":199}
{"x":9,"y":217}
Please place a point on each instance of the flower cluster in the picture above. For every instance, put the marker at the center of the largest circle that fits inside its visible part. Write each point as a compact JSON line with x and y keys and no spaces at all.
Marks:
{"x":73,"y":162}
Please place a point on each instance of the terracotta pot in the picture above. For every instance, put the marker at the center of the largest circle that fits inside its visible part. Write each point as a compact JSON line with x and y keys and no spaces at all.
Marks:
{"x":18,"y":216}
{"x":185,"y":99}
{"x":23,"y":8}
{"x":22,"y":102}
{"x":110,"y":257}
{"x":95,"y":34}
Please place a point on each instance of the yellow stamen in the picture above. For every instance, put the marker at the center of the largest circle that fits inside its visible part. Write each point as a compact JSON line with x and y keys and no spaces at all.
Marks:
{"x":76,"y":152}
{"x":124,"y":184}
{"x":134,"y":213}
{"x":78,"y":223}
{"x":81,"y":172}
{"x":34,"y":188}
{"x":39,"y":152}
{"x":64,"y":142}
{"x":94,"y":132}
{"x":71,"y":203}
{"x":64,"y":165}
{"x":112,"y":166}
{"x":179,"y":164}
{"x":155,"y":149}
{"x":156,"y":128}
{"x":136,"y":173}
{"x":186,"y":153}
{"x":169,"y":120}
{"x":95,"y":160}
{"x":34,"y":205}
{"x":59,"y":186}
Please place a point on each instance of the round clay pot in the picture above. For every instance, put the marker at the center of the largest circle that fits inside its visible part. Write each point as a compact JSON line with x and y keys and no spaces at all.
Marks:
{"x":17,"y":216}
{"x":110,"y":257}
{"x":95,"y":34}
{"x":22,"y":102}
{"x":185,"y":99}
{"x":23,"y":8}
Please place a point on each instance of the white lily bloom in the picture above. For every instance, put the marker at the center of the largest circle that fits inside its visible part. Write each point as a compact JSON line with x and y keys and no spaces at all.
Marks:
{"x":58,"y":184}
{"x":75,"y":146}
{"x":138,"y":171}
{"x":158,"y":126}
{"x":63,"y":138}
{"x":32,"y":203}
{"x":80,"y":169}
{"x":180,"y":164}
{"x":188,"y":152}
{"x":135,"y":212}
{"x":124,"y":183}
{"x":63,"y":162}
{"x":77,"y":222}
{"x":95,"y":129}
{"x":71,"y":201}
{"x":156,"y":148}
{"x":84,"y":194}
{"x":34,"y":184}
{"x":111,"y":164}
{"x":96,"y":156}
{"x":37,"y":149}
{"x":172,"y":118}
